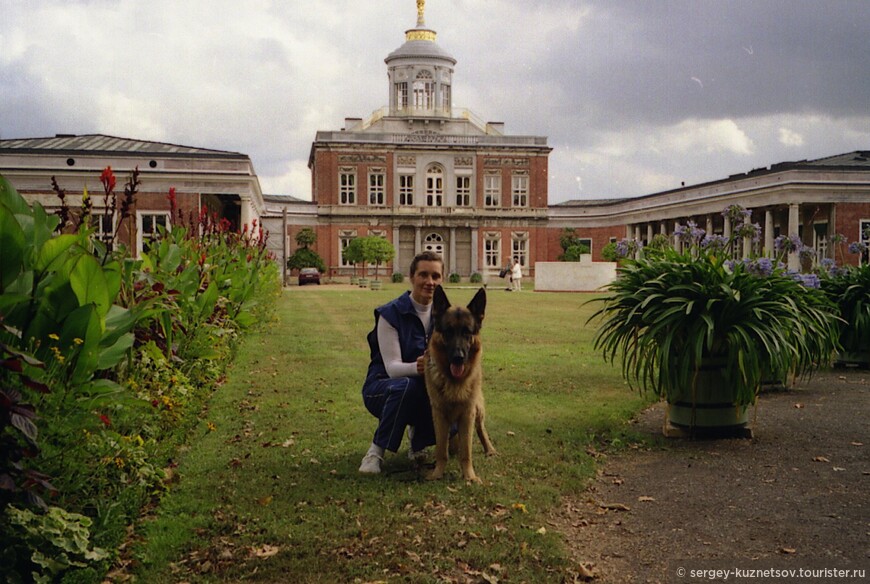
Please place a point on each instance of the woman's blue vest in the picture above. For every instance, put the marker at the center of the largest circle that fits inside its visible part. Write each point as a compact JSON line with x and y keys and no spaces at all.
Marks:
{"x":399,"y":313}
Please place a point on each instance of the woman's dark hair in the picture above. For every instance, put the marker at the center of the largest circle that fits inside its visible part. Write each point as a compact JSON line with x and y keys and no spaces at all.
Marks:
{"x":426,"y":256}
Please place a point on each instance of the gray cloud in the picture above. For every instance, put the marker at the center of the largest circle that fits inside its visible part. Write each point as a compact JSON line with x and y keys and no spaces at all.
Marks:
{"x":634,"y":96}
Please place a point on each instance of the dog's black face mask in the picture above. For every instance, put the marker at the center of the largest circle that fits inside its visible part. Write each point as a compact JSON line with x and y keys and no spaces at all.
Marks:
{"x":458,"y":328}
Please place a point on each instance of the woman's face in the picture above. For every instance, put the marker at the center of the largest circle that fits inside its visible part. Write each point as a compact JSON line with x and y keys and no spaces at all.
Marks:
{"x":424,"y":280}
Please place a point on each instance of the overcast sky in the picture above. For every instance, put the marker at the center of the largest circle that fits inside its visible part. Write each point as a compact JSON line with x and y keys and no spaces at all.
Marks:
{"x":635,"y":97}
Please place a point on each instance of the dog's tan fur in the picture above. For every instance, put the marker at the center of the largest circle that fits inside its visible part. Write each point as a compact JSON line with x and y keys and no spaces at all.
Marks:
{"x":456,"y":399}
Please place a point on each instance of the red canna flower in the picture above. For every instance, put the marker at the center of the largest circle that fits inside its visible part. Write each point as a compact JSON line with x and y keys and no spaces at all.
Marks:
{"x":171,"y":198}
{"x":105,"y":420}
{"x":107,"y":177}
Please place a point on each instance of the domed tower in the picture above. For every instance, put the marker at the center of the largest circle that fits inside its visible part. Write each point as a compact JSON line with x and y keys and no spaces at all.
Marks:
{"x":420,"y":74}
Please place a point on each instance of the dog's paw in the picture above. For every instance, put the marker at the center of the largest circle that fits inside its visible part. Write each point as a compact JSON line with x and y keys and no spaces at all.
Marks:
{"x":435,"y":475}
{"x":490,"y":452}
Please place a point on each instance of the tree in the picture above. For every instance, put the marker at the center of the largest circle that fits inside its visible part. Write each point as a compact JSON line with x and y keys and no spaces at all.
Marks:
{"x":377,"y":250}
{"x":306,"y":237}
{"x":572,"y":246}
{"x":304,"y":257}
{"x":353,"y":253}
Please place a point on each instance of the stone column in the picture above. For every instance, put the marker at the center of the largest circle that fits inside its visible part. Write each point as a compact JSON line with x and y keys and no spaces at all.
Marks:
{"x":663,"y":229}
{"x":709,"y":227}
{"x":629,"y":231}
{"x":794,"y":262}
{"x":649,"y":232}
{"x":246,"y":212}
{"x":677,"y":245}
{"x":397,"y":261}
{"x":418,"y":240}
{"x":768,"y":234}
{"x":474,"y":250}
{"x":726,"y":230}
{"x":452,"y":248}
{"x":637,"y":232}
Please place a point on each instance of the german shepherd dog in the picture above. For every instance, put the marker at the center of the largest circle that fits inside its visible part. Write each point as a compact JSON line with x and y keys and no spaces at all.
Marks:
{"x":454,"y":380}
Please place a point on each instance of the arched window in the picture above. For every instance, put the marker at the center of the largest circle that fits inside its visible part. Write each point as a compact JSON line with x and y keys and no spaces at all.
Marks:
{"x":424,"y":91}
{"x":434,"y":186}
{"x":434,"y":242}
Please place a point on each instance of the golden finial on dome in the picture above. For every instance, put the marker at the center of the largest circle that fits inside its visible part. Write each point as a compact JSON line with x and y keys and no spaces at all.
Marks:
{"x":421,"y":7}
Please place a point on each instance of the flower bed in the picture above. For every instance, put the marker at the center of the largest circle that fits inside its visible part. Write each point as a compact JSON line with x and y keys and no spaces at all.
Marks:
{"x":105,"y":362}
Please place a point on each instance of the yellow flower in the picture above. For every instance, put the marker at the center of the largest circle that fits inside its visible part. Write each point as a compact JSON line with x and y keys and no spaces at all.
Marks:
{"x":211,"y":427}
{"x":78,"y":341}
{"x":119,"y":462}
{"x":54,"y":337}
{"x":520,"y":507}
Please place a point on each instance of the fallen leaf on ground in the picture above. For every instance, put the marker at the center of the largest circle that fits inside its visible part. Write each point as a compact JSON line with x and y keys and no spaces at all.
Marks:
{"x":645,"y":499}
{"x":615,"y":506}
{"x":267,"y":551}
{"x":820,"y":459}
{"x":786,"y":550}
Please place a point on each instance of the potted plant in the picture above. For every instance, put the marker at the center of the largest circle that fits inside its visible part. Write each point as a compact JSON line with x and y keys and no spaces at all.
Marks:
{"x":702,"y":330}
{"x":377,"y":250}
{"x":353,"y":254}
{"x":849,"y":289}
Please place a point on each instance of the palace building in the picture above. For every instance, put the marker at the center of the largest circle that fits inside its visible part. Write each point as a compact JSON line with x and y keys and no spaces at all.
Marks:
{"x":430,"y":176}
{"x":427,"y":175}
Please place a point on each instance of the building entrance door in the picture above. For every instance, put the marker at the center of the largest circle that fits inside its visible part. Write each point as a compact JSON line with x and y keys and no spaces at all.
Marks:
{"x":434,"y":242}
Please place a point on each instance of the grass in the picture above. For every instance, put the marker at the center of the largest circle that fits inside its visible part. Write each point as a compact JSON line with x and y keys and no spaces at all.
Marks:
{"x":270,"y":491}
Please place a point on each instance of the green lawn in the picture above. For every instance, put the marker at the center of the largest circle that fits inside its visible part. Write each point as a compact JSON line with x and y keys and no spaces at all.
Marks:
{"x":268,"y":489}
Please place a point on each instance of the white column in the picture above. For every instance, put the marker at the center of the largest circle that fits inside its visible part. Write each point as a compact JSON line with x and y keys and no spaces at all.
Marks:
{"x":726,"y":230}
{"x":663,"y":229}
{"x":452,"y":247}
{"x":677,"y":245}
{"x":474,"y":251}
{"x":794,"y":262}
{"x":768,"y":233}
{"x":649,"y":232}
{"x":246,"y":212}
{"x":637,"y":232}
{"x":709,"y":227}
{"x":397,"y":261}
{"x":629,"y":231}
{"x":418,"y":241}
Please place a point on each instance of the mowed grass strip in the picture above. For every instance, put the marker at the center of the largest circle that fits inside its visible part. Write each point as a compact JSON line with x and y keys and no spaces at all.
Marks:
{"x":269,"y":489}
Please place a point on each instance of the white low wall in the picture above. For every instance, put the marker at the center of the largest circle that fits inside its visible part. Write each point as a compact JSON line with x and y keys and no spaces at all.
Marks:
{"x":582,"y":276}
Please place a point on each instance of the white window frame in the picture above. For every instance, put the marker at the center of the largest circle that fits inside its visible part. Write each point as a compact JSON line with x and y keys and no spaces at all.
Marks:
{"x":377,"y":188}
{"x":347,"y":186}
{"x":402,"y":95}
{"x":406,"y":190}
{"x":820,"y":243}
{"x":143,"y":217}
{"x":492,"y":190}
{"x":463,"y":190}
{"x":520,"y":190}
{"x":98,"y":216}
{"x":435,"y":186}
{"x":344,"y":238}
{"x":520,"y":248}
{"x":492,"y":252}
{"x":864,"y":237}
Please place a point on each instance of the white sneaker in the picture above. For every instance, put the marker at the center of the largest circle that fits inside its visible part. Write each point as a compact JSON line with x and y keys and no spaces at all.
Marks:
{"x":371,"y":463}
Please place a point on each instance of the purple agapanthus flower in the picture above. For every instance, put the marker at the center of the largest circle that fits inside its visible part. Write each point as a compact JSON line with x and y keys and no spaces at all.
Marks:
{"x":714,"y":242}
{"x":857,"y":247}
{"x":808,"y":280}
{"x":760,"y":266}
{"x":788,"y":244}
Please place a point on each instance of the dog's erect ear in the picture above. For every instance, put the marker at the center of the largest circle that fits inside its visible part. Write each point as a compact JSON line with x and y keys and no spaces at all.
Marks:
{"x":477,"y":306}
{"x":440,"y":304}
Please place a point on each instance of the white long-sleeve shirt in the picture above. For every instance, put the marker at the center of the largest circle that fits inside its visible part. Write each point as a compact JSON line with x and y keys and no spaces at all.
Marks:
{"x":388,"y":342}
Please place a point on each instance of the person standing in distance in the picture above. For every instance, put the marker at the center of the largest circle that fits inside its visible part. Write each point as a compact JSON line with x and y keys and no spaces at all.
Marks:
{"x":394,"y":390}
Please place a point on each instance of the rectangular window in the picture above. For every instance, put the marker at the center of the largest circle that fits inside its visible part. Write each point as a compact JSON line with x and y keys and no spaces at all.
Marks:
{"x":434,"y":191}
{"x":520,"y":190}
{"x":104,"y":225}
{"x":519,"y":250}
{"x":347,"y":188}
{"x":492,"y":253}
{"x":445,"y":97}
{"x":463,"y":191}
{"x":376,"y":188}
{"x":148,"y":227}
{"x":864,"y":237}
{"x":401,"y":96}
{"x":343,"y":241}
{"x":492,"y":190}
{"x":406,"y":189}
{"x":820,"y":240}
